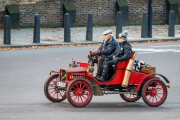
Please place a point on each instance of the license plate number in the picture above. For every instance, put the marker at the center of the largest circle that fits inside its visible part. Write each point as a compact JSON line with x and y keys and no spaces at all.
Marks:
{"x":61,"y":84}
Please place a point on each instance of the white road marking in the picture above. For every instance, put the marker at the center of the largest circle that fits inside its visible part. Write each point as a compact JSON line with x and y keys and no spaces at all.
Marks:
{"x":166,"y":46}
{"x":143,"y":50}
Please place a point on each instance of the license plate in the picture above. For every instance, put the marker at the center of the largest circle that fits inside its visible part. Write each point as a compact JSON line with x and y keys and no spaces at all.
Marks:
{"x":60,"y":84}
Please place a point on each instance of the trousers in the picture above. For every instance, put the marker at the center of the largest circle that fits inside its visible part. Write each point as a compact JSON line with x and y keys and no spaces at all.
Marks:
{"x":100,"y":64}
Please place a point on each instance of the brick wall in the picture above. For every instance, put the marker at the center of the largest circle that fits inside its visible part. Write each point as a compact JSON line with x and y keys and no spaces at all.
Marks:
{"x":137,"y":7}
{"x":103,"y":11}
{"x":50,"y":12}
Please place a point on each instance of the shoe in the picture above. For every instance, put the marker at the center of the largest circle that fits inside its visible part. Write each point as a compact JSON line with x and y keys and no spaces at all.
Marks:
{"x":101,"y":79}
{"x":98,"y":76}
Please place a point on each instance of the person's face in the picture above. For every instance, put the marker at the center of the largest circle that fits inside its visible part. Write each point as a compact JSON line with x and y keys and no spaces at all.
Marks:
{"x":120,"y":39}
{"x":107,"y":37}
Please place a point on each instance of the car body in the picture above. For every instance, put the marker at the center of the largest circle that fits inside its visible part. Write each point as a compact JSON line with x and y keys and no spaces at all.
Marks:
{"x":78,"y":85}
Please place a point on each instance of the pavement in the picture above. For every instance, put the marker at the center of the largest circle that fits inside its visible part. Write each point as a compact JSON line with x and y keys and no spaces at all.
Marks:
{"x":55,"y":36}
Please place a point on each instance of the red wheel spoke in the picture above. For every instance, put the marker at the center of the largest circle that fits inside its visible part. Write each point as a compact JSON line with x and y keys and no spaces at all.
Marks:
{"x":51,"y":85}
{"x":54,"y":81}
{"x":83,"y":87}
{"x":52,"y":92}
{"x":149,"y":98}
{"x":57,"y":96}
{"x":85,"y":93}
{"x":60,"y":94}
{"x":159,"y":90}
{"x":75,"y":98}
{"x":81,"y":99}
{"x":50,"y":88}
{"x":72,"y":94}
{"x":156,"y":98}
{"x":157,"y":86}
{"x":78,"y":99}
{"x":74,"y":87}
{"x":151,"y":85}
{"x":153,"y":99}
{"x":77,"y":85}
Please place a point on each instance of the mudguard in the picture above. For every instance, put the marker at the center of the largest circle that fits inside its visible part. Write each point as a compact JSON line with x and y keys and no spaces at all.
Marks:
{"x":95,"y":87}
{"x":150,"y":76}
{"x":167,"y":81}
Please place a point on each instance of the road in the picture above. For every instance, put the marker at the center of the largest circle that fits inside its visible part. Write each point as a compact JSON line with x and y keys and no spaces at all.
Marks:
{"x":24,"y":72}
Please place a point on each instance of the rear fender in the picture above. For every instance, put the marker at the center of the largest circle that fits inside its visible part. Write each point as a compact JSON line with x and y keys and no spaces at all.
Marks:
{"x":143,"y":80}
{"x":150,"y":77}
{"x":165,"y":79}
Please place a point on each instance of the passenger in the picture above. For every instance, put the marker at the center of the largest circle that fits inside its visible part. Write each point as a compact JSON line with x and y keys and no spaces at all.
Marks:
{"x":107,"y":48}
{"x":122,"y":52}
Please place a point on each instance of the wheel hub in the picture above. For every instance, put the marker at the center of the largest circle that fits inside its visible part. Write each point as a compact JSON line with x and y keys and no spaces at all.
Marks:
{"x":79,"y":92}
{"x":154,"y":92}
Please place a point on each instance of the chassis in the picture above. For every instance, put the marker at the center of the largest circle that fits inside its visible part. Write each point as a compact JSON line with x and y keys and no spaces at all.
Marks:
{"x":77,"y":84}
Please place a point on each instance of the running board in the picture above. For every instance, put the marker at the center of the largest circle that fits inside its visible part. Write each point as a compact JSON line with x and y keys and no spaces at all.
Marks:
{"x":113,"y":92}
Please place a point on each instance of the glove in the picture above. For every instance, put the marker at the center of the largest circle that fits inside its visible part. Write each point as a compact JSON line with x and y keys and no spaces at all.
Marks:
{"x":96,"y":52}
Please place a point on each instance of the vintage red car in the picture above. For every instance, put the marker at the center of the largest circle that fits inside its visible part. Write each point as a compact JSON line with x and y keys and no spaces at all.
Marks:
{"x":78,"y":85}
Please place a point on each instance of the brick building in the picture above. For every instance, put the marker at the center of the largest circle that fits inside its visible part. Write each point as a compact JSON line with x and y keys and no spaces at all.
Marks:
{"x":104,"y":11}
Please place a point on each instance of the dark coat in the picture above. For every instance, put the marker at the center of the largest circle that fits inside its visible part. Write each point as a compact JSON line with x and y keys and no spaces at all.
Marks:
{"x":109,"y":47}
{"x":123,"y":52}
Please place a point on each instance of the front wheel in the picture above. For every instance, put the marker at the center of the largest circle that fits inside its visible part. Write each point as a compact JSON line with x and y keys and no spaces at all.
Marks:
{"x":130,"y":97}
{"x":52,"y":92}
{"x":79,"y":93}
{"x":154,"y":92}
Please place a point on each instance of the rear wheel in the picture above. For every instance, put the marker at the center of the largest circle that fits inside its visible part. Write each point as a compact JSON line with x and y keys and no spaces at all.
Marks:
{"x":154,"y":92}
{"x":79,"y":93}
{"x":52,"y":92}
{"x":130,"y":97}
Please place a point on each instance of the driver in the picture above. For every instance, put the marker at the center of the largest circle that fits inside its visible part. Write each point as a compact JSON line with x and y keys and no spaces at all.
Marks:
{"x":107,"y":48}
{"x":122,"y":52}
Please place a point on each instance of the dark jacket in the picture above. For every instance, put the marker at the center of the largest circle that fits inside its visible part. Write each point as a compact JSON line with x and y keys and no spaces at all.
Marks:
{"x":109,"y":47}
{"x":122,"y":52}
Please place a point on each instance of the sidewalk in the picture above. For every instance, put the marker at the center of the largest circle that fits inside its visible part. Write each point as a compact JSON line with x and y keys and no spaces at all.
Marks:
{"x":55,"y":36}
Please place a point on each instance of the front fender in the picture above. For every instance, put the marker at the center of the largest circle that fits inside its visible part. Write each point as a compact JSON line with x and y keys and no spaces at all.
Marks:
{"x":53,"y":71}
{"x":95,"y":87}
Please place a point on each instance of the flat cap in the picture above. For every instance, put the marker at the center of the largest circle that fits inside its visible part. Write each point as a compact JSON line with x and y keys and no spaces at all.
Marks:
{"x":107,"y":32}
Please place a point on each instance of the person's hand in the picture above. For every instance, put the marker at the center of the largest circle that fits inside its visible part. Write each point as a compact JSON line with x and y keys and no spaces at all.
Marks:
{"x":96,"y":52}
{"x":91,"y":52}
{"x":89,"y":56}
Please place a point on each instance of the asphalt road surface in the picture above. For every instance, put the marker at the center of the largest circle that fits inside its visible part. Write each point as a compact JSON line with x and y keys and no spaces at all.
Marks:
{"x":24,"y":72}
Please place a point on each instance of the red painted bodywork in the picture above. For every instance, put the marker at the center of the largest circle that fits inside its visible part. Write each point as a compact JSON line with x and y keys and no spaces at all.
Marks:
{"x":136,"y":78}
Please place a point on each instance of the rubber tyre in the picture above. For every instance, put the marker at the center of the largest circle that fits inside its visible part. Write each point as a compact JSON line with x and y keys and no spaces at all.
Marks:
{"x":51,"y":91}
{"x":79,"y":93}
{"x":154,"y":92}
{"x":130,"y":97}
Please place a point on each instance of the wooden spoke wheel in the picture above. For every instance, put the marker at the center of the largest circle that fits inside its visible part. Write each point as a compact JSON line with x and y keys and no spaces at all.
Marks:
{"x":79,"y":93}
{"x":130,"y":97}
{"x":154,"y":92}
{"x":52,"y":92}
